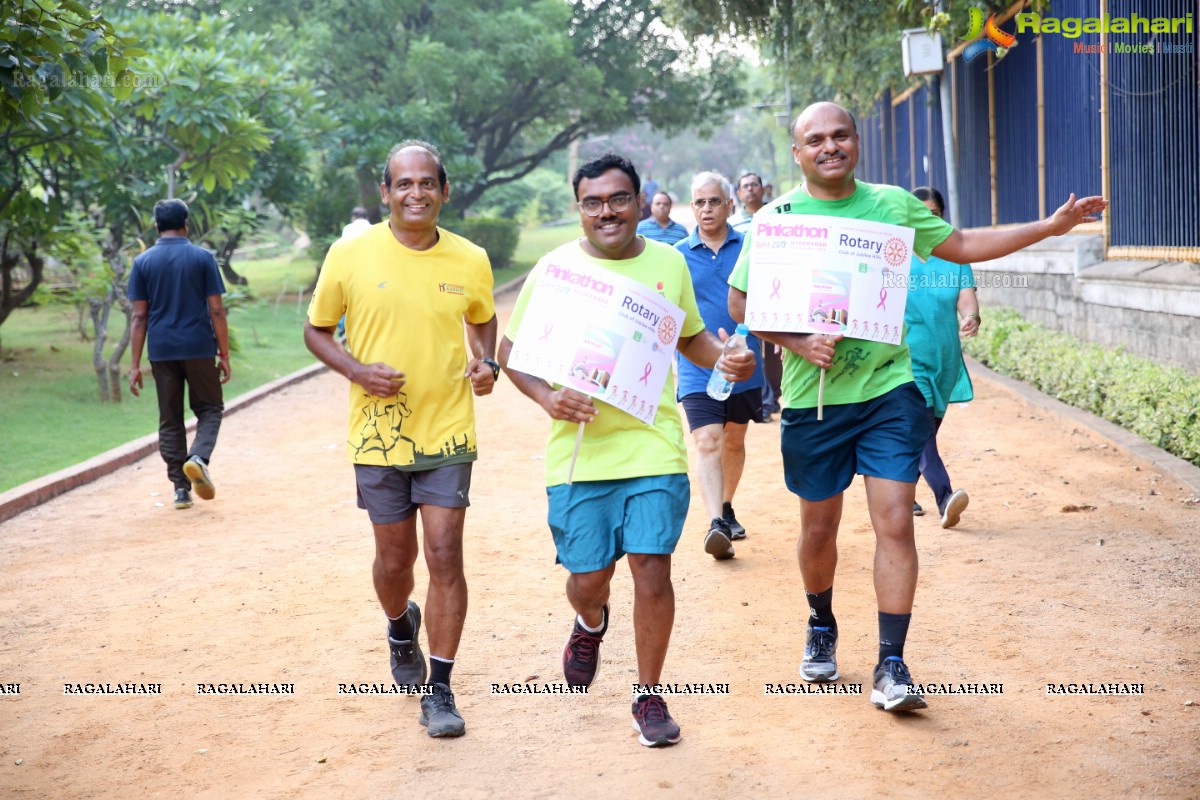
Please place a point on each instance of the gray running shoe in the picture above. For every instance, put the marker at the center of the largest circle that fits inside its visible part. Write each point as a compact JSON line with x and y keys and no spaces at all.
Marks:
{"x":718,"y":542}
{"x":653,"y":722}
{"x":197,"y":472}
{"x":736,"y":530}
{"x":408,"y":662}
{"x":820,"y":656}
{"x":893,"y":689}
{"x":954,"y":508}
{"x":440,"y":715}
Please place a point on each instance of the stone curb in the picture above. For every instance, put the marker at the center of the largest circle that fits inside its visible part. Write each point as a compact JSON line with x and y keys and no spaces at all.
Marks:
{"x":39,"y":490}
{"x":1187,"y":474}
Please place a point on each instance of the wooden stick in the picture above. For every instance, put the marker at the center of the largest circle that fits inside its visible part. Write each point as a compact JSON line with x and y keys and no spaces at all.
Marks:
{"x":575,"y":455}
{"x":820,"y":398}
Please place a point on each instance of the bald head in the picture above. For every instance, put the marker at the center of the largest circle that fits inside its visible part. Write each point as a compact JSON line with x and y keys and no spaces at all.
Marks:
{"x":825,"y":146}
{"x":822,"y":107}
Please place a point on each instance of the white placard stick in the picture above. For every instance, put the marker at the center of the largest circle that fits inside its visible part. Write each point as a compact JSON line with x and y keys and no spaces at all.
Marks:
{"x":575,"y":455}
{"x":820,"y":397}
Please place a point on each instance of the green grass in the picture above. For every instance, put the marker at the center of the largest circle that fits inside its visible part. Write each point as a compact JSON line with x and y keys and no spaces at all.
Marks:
{"x":50,"y":414}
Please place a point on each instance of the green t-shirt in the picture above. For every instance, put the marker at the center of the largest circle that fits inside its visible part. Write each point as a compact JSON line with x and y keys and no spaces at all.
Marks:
{"x":861,"y":370}
{"x":617,"y":445}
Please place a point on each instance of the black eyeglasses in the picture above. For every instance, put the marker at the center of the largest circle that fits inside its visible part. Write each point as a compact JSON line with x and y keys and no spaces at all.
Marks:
{"x":711,"y":202}
{"x":618,"y":203}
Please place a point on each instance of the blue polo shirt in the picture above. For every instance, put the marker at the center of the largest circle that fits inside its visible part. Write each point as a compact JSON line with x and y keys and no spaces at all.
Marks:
{"x":710,"y":279}
{"x":176,"y":278}
{"x":671,"y":234}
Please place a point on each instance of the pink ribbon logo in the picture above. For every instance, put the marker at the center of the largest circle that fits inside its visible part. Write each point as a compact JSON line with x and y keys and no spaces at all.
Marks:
{"x":775,"y":284}
{"x":545,"y":337}
{"x":646,"y":375}
{"x":883,"y":292}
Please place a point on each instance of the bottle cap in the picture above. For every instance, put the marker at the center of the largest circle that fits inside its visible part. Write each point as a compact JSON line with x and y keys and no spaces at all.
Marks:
{"x":743,"y":329}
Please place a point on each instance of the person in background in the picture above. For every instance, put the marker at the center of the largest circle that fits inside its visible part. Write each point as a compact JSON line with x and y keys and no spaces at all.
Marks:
{"x":176,"y":291}
{"x":660,"y":227}
{"x":718,"y":426}
{"x":940,"y":293}
{"x":751,"y":193}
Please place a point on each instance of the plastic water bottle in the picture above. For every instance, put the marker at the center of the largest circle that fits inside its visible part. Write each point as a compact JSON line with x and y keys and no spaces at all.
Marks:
{"x":718,"y":387}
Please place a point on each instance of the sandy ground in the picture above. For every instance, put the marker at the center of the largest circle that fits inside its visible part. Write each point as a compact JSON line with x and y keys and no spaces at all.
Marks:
{"x":271,"y":583}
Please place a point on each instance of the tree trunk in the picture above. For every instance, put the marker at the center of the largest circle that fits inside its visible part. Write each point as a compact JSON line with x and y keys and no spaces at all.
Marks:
{"x":368,"y":195}
{"x":99,"y":311}
{"x":10,"y":298}
{"x":225,"y":258}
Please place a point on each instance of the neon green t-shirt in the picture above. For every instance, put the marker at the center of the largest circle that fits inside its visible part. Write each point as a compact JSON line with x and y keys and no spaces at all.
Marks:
{"x":617,"y":445}
{"x":861,"y":370}
{"x":406,"y":308}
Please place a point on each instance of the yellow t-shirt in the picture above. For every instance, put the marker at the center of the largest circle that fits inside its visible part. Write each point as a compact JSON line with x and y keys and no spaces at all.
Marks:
{"x":617,"y":445}
{"x":406,"y":308}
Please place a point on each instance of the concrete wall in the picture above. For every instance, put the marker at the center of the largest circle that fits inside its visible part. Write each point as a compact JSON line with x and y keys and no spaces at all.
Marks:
{"x":1151,"y":308}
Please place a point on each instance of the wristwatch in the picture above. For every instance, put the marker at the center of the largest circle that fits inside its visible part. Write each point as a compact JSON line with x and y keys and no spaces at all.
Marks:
{"x":494,"y":364}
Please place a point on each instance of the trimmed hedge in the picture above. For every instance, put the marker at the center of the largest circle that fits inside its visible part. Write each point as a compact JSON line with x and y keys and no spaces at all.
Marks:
{"x":497,"y":236}
{"x":1159,"y":403}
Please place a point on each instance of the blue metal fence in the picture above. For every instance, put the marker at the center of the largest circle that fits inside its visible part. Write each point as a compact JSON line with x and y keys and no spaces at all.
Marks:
{"x":1153,"y":128}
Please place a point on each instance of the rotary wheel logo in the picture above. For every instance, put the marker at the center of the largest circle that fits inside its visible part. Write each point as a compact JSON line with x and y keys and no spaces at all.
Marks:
{"x":667,"y":330}
{"x":895,"y":251}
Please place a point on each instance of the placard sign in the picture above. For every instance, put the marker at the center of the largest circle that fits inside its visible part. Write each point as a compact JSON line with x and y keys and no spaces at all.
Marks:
{"x":599,"y":333}
{"x":817,"y":274}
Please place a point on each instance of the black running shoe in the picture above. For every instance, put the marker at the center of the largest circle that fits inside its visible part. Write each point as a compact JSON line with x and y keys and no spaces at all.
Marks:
{"x":183,"y":498}
{"x":408,"y":662}
{"x":718,"y":542}
{"x":653,"y":722}
{"x":581,"y":656}
{"x":736,"y":530}
{"x":440,"y":715}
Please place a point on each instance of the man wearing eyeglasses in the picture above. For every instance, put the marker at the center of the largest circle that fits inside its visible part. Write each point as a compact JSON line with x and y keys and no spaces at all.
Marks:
{"x":660,"y":227}
{"x":718,"y":426}
{"x":630,"y":491}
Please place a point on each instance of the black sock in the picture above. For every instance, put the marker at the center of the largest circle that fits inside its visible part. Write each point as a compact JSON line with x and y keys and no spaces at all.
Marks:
{"x":893,"y":630}
{"x":401,"y":627}
{"x":821,"y":609}
{"x":439,"y":670}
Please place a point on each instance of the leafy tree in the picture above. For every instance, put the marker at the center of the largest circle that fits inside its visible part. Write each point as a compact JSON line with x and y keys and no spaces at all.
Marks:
{"x":57,"y":60}
{"x":498,"y":85}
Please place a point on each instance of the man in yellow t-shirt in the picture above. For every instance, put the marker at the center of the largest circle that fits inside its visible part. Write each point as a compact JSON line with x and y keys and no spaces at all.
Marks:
{"x":407,"y":288}
{"x":630,"y":491}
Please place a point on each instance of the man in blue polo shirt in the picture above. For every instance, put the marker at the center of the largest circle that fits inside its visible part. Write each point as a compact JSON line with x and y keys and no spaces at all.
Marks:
{"x":660,"y":227}
{"x":176,"y":292}
{"x":718,"y":426}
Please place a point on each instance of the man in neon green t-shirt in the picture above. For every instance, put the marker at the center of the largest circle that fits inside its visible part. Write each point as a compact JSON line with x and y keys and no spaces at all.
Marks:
{"x":407,"y":288}
{"x":630,"y":491}
{"x":875,"y":423}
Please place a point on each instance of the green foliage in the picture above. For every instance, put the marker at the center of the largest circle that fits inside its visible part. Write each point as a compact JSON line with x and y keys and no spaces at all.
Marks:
{"x":1159,"y":403}
{"x":541,"y":196}
{"x":45,"y":375}
{"x":497,"y":236}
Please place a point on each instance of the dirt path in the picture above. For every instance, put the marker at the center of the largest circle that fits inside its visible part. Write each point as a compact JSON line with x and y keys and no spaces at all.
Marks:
{"x":271,"y":583}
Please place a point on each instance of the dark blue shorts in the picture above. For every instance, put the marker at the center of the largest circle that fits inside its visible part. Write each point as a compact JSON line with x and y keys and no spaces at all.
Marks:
{"x":881,"y":438}
{"x":596,"y":522}
{"x":738,"y":408}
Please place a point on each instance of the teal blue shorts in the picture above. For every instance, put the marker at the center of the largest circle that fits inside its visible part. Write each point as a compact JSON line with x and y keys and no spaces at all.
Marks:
{"x":596,"y":522}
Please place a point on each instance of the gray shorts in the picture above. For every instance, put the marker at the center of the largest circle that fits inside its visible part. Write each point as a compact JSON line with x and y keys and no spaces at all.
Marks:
{"x":390,"y":495}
